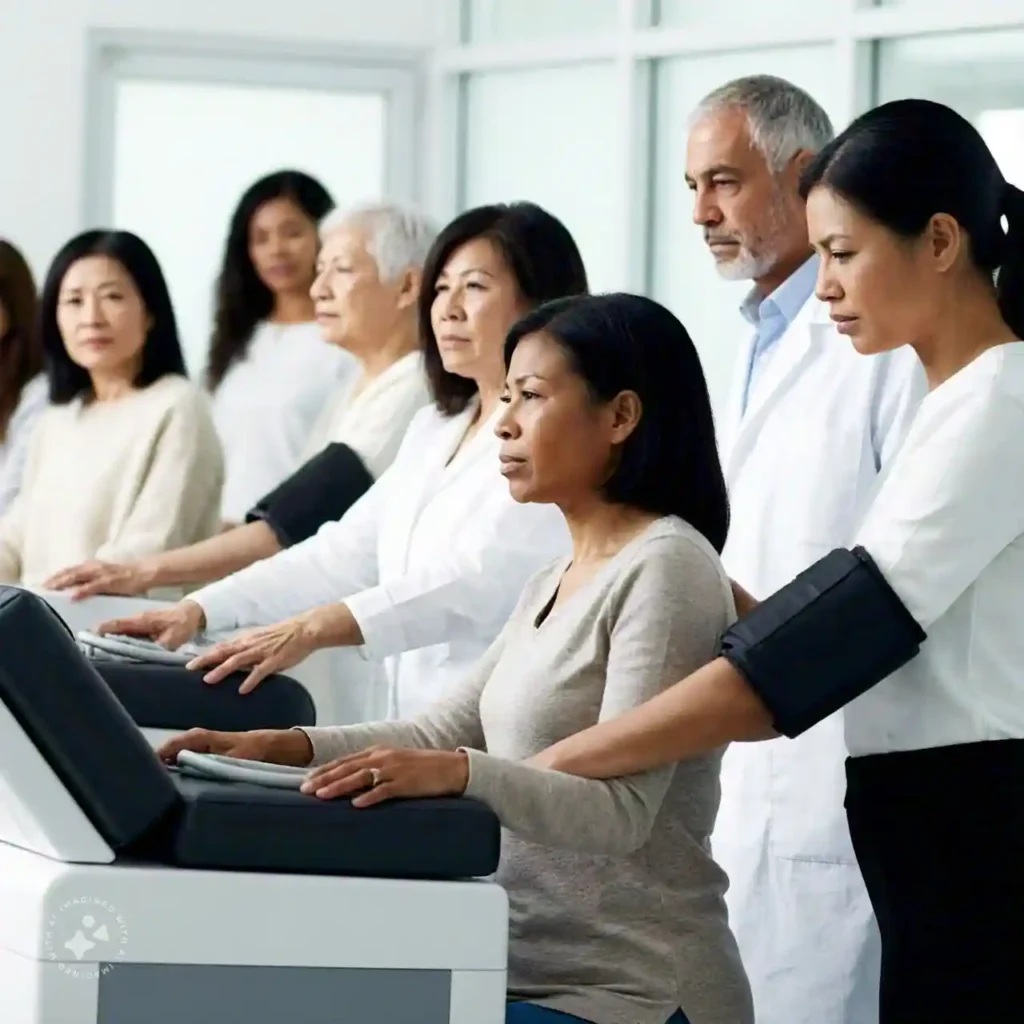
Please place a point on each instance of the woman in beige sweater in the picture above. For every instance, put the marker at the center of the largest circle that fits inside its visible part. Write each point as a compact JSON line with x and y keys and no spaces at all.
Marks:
{"x":617,"y":913}
{"x":125,"y":462}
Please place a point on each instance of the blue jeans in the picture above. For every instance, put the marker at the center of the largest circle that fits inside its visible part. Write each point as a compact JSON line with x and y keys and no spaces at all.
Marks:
{"x":531,"y":1013}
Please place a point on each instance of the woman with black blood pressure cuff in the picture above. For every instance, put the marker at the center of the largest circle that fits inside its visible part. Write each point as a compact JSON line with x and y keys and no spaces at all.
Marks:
{"x":915,"y":629}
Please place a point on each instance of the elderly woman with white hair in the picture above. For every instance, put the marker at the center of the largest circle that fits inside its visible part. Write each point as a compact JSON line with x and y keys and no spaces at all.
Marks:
{"x":365,"y":293}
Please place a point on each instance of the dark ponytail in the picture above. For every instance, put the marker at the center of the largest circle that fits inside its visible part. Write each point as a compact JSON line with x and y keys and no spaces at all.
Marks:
{"x":906,"y":161}
{"x":1010,"y":282}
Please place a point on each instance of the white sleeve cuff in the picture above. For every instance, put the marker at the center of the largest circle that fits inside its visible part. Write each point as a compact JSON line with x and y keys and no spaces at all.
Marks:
{"x":219,"y":605}
{"x":378,"y":621}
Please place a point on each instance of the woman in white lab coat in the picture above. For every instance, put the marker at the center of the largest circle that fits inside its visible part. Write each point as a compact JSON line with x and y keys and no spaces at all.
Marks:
{"x":916,"y":630}
{"x":424,"y":570}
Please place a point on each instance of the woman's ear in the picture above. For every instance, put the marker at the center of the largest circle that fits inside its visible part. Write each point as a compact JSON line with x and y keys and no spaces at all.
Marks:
{"x":409,"y":290}
{"x":626,"y":412}
{"x":945,"y":240}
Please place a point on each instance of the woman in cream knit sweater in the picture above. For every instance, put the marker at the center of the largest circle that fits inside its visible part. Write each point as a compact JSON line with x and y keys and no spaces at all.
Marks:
{"x":125,"y":461}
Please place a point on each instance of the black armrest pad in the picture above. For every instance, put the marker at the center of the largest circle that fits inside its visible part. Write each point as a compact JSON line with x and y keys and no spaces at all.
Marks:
{"x":237,"y":826}
{"x":822,"y":640}
{"x":319,"y":492}
{"x":167,"y":697}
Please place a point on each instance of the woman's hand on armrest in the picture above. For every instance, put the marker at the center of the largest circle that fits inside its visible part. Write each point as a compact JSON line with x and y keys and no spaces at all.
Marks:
{"x":380,"y":774}
{"x":214,"y":558}
{"x":279,"y":647}
{"x":128,"y":579}
{"x":275,"y":746}
{"x":169,"y":627}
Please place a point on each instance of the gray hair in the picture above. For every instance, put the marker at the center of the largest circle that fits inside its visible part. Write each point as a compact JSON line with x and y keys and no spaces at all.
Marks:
{"x":397,"y":237}
{"x":783,"y":118}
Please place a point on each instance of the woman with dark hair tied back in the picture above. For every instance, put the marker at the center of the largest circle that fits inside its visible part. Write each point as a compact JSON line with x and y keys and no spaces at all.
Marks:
{"x":269,"y":369}
{"x":423,"y":570}
{"x":915,"y":629}
{"x":617,"y":909}
{"x":125,"y":461}
{"x":22,"y":384}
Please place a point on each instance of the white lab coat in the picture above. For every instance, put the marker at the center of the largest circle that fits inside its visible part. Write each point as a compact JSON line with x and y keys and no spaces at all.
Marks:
{"x":801,"y":465}
{"x":431,"y":562}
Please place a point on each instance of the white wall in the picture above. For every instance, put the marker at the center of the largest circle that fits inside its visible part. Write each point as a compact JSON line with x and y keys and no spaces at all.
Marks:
{"x":43,"y":69}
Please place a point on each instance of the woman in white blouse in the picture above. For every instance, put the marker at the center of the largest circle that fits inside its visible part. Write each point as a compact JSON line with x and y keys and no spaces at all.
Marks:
{"x":269,"y":371}
{"x":424,"y":570}
{"x":22,"y":384}
{"x":916,"y":629}
{"x":365,"y":294}
{"x":125,"y":461}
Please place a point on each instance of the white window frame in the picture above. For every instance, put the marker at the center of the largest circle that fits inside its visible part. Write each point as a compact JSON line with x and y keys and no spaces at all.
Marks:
{"x":850,"y":26}
{"x":114,"y":56}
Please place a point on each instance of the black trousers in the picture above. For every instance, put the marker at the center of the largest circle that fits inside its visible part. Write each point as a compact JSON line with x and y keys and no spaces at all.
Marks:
{"x":939,"y":836}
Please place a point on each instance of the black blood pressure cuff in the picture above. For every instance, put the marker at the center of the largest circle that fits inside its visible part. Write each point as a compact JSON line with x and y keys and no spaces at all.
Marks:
{"x":822,"y":640}
{"x":320,"y":491}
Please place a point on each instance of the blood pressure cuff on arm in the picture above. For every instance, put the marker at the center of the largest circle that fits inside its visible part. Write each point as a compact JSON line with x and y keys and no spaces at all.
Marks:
{"x":822,"y":640}
{"x":320,"y":491}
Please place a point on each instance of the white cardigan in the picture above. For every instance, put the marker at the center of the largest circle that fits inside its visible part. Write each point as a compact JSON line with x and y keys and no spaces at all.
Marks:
{"x":114,"y":480}
{"x":430,"y":561}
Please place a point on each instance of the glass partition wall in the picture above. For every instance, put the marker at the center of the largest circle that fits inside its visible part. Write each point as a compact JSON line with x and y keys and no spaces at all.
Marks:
{"x":581,"y":105}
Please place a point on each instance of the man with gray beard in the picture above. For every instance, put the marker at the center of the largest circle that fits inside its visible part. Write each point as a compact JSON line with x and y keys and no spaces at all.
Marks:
{"x":809,"y":427}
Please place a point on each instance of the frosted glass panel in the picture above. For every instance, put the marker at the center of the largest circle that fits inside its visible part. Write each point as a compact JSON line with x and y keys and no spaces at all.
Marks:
{"x":684,"y":277}
{"x":185,"y":151}
{"x":980,"y":74}
{"x":684,"y":12}
{"x":503,"y":21}
{"x":545,"y":136}
{"x":1003,"y":130}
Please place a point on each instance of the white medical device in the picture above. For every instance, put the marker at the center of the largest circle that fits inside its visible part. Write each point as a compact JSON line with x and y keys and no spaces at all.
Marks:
{"x":130,"y":892}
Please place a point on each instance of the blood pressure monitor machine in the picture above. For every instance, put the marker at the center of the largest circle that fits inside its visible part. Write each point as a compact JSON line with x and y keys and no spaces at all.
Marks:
{"x":133,"y":893}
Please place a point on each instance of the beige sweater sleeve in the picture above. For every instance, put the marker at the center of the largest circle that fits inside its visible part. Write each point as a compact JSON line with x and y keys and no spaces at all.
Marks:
{"x":447,"y":725}
{"x":178,"y":497}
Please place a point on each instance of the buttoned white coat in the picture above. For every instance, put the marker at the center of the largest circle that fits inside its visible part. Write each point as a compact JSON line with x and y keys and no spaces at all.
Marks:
{"x":801,"y":464}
